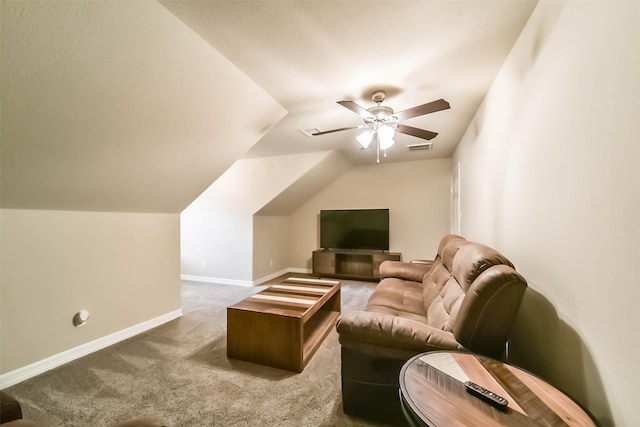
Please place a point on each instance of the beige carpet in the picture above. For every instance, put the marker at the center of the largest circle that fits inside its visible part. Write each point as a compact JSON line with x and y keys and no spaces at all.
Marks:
{"x":180,"y":372}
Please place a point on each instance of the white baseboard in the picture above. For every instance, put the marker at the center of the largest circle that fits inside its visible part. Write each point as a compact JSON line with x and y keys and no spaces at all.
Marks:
{"x":300,"y":270}
{"x":273,"y":275}
{"x":26,"y":372}
{"x":235,"y":282}
{"x":218,"y":280}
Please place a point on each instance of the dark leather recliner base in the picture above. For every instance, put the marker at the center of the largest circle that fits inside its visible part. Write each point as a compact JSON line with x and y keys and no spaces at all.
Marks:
{"x":373,"y":397}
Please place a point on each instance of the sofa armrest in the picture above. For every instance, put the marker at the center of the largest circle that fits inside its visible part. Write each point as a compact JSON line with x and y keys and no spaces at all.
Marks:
{"x":404,"y":270}
{"x":387,"y":330}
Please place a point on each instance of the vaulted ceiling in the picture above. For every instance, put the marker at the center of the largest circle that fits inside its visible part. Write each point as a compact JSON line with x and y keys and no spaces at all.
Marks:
{"x":118,"y":106}
{"x":140,"y":105}
{"x":310,"y":54}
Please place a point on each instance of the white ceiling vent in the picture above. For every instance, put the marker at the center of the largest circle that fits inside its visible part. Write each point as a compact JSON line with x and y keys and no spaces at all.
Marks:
{"x":421,"y":146}
{"x":308,"y":132}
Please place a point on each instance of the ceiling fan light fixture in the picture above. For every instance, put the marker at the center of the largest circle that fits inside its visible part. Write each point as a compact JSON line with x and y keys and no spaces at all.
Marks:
{"x":386,"y":133}
{"x":365,"y":138}
{"x":386,"y":143}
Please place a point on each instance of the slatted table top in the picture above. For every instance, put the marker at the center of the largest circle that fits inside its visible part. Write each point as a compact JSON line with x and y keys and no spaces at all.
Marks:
{"x":433,"y":394}
{"x":294,"y":297}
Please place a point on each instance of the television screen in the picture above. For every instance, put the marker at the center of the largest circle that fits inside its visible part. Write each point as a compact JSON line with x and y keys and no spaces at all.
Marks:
{"x":354,"y":229}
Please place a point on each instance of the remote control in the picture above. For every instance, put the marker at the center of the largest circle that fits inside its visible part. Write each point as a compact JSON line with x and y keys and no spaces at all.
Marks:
{"x":486,"y":395}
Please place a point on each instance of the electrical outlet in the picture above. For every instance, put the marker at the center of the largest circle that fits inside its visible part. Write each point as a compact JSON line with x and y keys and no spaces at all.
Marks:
{"x":271,"y":263}
{"x":204,"y":264}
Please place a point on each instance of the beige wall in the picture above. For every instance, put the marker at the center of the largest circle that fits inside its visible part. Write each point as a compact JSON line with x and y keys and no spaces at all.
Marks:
{"x":271,"y":239}
{"x":218,"y":239}
{"x":124,"y":268}
{"x":417,"y":194}
{"x":216,"y":228}
{"x":550,"y":177}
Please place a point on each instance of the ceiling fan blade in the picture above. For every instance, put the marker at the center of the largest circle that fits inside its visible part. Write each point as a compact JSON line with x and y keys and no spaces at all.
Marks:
{"x":334,"y":130}
{"x":429,"y":107}
{"x":362,"y":112}
{"x":420,"y":133}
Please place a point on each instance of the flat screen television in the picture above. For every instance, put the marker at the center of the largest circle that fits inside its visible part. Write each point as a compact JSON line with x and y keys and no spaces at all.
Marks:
{"x":354,"y":229}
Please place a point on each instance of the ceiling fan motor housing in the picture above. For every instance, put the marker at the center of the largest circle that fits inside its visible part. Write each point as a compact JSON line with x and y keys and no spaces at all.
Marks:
{"x":382,"y":115}
{"x":378,"y":96}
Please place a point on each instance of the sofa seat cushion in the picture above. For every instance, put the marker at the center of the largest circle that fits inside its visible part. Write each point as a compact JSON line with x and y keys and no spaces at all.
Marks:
{"x":398,"y":297}
{"x":386,"y":330}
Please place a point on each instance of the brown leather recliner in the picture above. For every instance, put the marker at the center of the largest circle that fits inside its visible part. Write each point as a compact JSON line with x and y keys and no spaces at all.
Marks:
{"x":465,"y":299}
{"x":11,"y":416}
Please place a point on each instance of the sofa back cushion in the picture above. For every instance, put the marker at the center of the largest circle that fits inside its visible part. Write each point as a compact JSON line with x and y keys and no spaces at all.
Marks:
{"x":445,"y":298}
{"x":441,"y":293}
{"x":448,"y":247}
{"x":472,"y":259}
{"x":473,"y":291}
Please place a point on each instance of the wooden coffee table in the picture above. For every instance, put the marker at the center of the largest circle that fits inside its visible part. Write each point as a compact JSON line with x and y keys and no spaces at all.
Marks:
{"x":283,"y":325}
{"x":433,"y":394}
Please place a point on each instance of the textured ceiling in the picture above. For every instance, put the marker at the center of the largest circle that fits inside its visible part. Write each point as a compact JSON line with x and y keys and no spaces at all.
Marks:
{"x":118,"y":106}
{"x":139,"y":106}
{"x":310,"y":54}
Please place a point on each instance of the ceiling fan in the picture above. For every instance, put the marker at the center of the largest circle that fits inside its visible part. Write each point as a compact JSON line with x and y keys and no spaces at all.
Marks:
{"x":381,"y":123}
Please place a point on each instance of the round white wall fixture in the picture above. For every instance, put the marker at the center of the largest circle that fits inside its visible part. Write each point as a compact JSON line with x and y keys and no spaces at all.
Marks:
{"x":80,"y":318}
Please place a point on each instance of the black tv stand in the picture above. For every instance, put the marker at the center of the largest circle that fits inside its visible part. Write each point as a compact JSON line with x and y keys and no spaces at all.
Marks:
{"x":351,"y":264}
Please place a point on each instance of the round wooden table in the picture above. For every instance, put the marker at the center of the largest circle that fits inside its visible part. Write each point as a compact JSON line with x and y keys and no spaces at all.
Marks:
{"x":433,"y":394}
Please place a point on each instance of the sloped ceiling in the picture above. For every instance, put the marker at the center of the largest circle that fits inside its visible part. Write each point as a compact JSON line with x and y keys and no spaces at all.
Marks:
{"x":118,"y":106}
{"x":329,"y":166}
{"x":310,"y":54}
{"x":140,"y":105}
